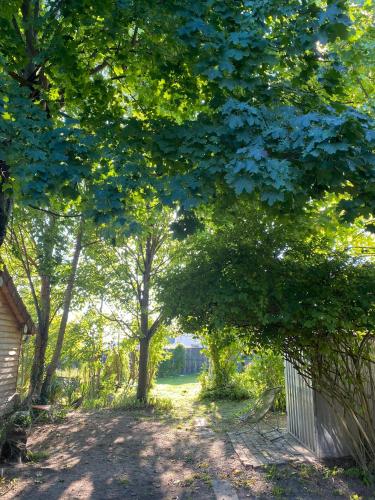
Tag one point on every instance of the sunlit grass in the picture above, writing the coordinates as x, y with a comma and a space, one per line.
179, 380
183, 391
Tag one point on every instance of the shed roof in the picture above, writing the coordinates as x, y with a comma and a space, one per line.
9, 290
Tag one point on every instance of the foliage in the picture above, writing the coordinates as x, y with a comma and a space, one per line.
132, 268
102, 101
155, 403
36, 456
65, 71
265, 370
20, 419
90, 367
244, 130
358, 473
174, 363
157, 354
45, 252
234, 390
286, 286
219, 381
270, 278
275, 120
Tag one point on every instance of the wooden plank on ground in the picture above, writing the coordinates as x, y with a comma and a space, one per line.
257, 450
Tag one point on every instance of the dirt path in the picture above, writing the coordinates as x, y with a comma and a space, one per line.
107, 455
122, 455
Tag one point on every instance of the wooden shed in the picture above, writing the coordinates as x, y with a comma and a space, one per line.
15, 322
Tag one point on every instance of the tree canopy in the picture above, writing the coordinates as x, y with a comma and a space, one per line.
100, 100
278, 282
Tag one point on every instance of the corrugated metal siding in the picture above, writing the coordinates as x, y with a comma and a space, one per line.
300, 408
331, 438
10, 341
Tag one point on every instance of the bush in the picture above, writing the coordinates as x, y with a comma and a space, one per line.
266, 370
174, 364
21, 419
234, 390
130, 402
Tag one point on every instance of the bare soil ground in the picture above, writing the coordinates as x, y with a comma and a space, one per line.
110, 454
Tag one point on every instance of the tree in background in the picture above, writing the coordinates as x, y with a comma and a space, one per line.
224, 350
46, 251
129, 274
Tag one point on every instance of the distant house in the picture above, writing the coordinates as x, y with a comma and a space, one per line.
15, 322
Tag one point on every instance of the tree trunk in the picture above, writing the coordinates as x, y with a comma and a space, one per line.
41, 341
37, 368
142, 388
51, 369
5, 201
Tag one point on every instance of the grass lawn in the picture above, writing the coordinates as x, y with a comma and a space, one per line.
183, 391
179, 380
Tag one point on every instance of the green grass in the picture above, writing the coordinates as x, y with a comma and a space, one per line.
37, 456
183, 391
178, 380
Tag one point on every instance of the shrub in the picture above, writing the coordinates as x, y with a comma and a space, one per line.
266, 370
37, 456
175, 363
21, 419
130, 402
233, 390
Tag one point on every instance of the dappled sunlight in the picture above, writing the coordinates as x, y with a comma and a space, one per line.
83, 483
125, 454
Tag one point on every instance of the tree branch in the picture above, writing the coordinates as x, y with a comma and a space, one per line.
55, 214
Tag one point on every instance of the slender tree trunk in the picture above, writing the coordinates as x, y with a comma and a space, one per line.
144, 344
5, 201
51, 368
41, 341
142, 388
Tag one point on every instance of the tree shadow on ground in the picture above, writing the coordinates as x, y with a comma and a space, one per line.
114, 455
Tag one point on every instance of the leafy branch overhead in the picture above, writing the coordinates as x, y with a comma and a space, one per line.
102, 100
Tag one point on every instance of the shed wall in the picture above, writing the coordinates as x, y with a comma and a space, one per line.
300, 408
332, 440
10, 342
312, 420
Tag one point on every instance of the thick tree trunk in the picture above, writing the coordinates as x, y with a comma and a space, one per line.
51, 368
142, 388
